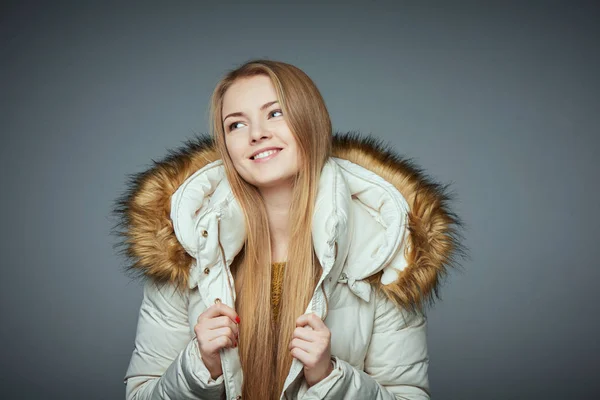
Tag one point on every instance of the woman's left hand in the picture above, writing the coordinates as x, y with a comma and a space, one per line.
312, 347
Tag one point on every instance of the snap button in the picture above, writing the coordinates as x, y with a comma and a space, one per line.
204, 233
206, 271
217, 300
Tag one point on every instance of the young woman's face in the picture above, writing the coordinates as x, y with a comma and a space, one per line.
261, 146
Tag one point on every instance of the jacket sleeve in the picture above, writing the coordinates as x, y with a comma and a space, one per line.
166, 362
395, 364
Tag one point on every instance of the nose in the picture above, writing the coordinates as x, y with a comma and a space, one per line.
258, 133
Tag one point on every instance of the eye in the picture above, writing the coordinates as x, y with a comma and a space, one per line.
275, 111
232, 126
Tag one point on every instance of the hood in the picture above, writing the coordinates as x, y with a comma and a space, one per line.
146, 234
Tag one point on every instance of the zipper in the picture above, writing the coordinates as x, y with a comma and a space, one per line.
295, 371
224, 261
229, 284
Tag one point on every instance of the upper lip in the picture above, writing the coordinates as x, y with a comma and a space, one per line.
265, 149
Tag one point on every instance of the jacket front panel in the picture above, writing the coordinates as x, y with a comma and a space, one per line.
368, 236
349, 318
348, 196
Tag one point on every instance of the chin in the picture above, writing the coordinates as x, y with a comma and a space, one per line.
271, 182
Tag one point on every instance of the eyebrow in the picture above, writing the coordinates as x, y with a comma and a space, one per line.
262, 108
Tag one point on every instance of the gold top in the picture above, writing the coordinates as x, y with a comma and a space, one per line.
276, 281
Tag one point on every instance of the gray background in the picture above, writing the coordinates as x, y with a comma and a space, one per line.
500, 99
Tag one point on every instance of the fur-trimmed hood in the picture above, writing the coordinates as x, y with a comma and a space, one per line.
157, 246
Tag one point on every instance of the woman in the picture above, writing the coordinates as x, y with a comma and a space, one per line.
281, 261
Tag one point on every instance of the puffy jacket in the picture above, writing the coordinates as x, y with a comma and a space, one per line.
381, 231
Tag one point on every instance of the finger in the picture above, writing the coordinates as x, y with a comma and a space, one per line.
221, 342
222, 322
301, 344
210, 345
301, 355
216, 333
304, 333
210, 312
219, 309
311, 320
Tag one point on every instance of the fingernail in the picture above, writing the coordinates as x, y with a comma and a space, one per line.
237, 319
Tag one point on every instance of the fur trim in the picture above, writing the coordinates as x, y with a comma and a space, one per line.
435, 238
144, 227
147, 239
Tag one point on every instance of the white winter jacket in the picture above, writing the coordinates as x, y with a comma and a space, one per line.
381, 232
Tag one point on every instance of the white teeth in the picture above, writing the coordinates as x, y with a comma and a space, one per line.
264, 154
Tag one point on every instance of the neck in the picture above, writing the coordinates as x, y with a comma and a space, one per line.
277, 203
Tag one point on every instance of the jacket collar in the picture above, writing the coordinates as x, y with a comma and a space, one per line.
166, 208
203, 209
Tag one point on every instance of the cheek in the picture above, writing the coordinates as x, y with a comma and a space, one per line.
235, 152
298, 159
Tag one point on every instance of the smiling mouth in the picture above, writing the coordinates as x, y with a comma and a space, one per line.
265, 155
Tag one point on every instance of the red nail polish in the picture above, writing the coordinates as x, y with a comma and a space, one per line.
237, 320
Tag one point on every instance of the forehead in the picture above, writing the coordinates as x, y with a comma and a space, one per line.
250, 92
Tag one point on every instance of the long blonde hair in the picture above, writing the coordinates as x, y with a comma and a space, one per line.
263, 347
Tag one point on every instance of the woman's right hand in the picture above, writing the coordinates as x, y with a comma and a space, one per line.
216, 329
